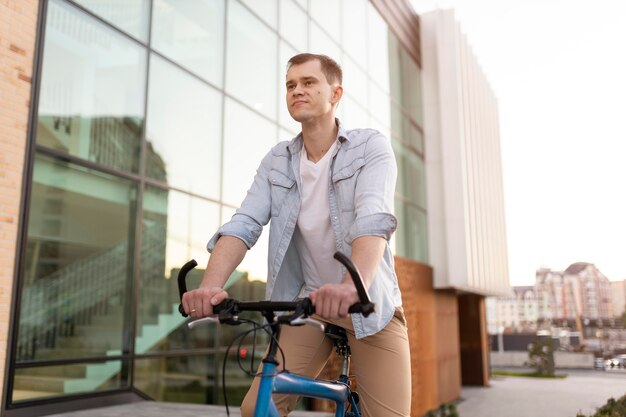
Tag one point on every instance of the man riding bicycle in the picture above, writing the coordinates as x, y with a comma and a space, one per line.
328, 189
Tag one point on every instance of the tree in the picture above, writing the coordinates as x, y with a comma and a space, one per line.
541, 356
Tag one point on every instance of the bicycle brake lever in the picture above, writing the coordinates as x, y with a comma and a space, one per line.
202, 321
311, 322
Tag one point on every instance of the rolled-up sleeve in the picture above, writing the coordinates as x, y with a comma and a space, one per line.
374, 191
254, 213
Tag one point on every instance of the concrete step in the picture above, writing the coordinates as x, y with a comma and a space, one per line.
39, 383
65, 371
68, 353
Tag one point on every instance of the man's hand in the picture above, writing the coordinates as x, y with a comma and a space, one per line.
333, 300
199, 303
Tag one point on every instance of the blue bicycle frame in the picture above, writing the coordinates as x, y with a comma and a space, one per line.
272, 380
286, 383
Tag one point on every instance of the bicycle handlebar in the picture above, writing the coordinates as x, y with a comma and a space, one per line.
230, 307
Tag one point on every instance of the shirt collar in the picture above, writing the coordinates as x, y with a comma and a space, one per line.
296, 143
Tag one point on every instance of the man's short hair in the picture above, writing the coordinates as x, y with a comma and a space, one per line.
331, 69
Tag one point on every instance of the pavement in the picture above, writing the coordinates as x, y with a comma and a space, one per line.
582, 391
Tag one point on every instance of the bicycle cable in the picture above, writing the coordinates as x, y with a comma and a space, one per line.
241, 336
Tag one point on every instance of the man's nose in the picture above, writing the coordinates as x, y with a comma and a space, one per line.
297, 91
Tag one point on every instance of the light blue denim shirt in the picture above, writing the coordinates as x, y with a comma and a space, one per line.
360, 193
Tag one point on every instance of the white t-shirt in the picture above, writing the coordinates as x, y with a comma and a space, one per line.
314, 236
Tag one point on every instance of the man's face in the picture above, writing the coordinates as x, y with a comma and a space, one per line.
309, 95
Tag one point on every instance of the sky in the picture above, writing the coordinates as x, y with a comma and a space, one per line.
558, 69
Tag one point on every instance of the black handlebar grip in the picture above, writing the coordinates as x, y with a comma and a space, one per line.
182, 285
364, 309
365, 306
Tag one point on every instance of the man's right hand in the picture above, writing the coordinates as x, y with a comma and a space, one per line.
199, 303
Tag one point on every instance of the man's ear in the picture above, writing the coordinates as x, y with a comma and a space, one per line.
337, 94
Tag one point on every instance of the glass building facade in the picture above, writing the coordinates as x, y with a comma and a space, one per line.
144, 107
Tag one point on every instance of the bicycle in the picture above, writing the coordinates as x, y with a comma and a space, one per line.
274, 380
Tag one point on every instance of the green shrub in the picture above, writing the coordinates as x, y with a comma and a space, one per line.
612, 408
444, 410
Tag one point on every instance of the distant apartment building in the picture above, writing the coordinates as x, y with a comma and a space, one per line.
579, 291
558, 297
517, 312
618, 295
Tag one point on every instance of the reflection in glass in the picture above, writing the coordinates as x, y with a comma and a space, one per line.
41, 382
78, 264
245, 145
92, 90
355, 82
378, 48
354, 116
411, 235
191, 32
129, 15
354, 30
183, 130
411, 182
284, 118
293, 25
255, 262
251, 61
322, 44
327, 14
176, 228
380, 105
265, 9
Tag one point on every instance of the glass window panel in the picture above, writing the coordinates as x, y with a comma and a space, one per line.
245, 145
414, 136
191, 32
411, 77
265, 9
183, 130
197, 378
251, 61
379, 105
322, 44
129, 15
78, 263
378, 48
327, 13
255, 262
396, 86
355, 82
188, 379
397, 122
54, 381
354, 30
411, 181
284, 118
354, 116
92, 90
411, 235
293, 25
176, 228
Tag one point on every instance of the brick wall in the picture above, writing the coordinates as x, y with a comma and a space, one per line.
420, 307
18, 26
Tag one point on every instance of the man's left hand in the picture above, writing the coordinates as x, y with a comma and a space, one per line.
332, 301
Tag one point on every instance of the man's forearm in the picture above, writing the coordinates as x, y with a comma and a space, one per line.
227, 254
367, 252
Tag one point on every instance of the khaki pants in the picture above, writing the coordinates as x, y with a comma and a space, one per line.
381, 363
